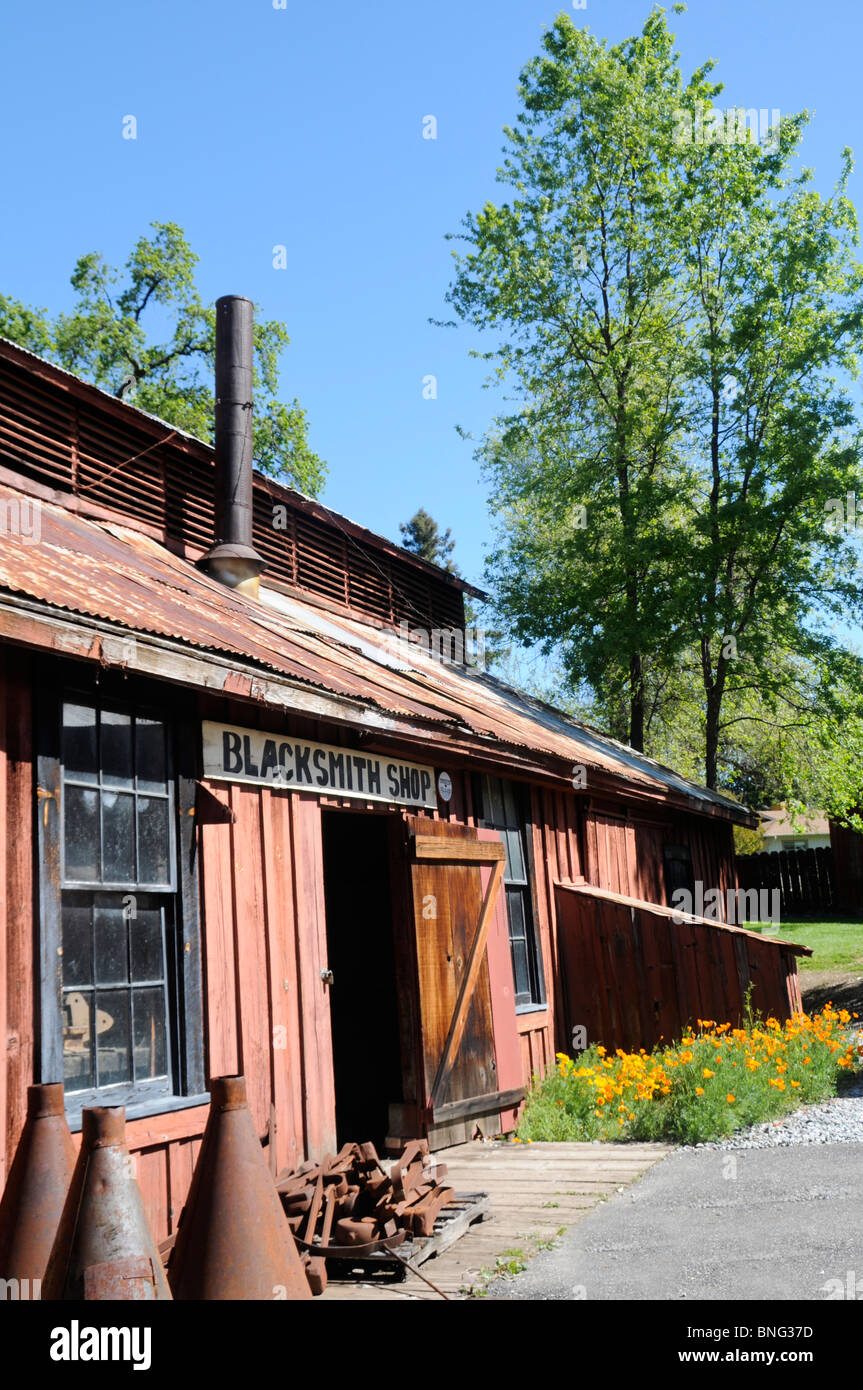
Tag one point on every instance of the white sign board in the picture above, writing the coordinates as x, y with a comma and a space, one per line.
251, 755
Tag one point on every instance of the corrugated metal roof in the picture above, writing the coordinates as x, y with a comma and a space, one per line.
114, 573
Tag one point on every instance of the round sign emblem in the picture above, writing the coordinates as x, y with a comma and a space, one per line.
444, 786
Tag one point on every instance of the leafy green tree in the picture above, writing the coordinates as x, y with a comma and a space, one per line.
778, 307
670, 314
578, 273
105, 340
748, 841
795, 738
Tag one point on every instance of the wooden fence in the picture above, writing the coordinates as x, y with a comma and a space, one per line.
631, 975
805, 878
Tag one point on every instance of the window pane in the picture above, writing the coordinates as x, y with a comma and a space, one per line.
514, 860
112, 1037
515, 911
77, 962
116, 748
81, 826
145, 929
151, 1054
504, 811
119, 853
154, 864
77, 1041
118, 838
79, 742
521, 974
493, 807
518, 943
110, 934
150, 755
510, 808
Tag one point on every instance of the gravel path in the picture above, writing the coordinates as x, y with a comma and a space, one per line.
836, 1121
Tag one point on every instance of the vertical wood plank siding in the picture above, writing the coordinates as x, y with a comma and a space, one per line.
649, 990
17, 1010
265, 947
625, 852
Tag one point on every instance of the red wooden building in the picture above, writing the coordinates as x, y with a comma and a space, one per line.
260, 832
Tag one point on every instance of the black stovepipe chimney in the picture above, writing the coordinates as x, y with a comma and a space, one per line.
233, 560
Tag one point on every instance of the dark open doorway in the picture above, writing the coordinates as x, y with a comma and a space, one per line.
363, 995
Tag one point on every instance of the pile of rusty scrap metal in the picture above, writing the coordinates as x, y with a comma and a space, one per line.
349, 1207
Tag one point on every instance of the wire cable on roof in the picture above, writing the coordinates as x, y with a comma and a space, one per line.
134, 459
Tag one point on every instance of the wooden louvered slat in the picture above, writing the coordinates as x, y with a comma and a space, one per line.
33, 399
320, 567
411, 598
46, 460
370, 584
189, 511
111, 472
447, 607
36, 430
274, 546
60, 436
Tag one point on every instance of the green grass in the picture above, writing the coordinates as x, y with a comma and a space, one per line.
836, 944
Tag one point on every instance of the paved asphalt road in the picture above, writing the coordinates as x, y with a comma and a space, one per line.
776, 1223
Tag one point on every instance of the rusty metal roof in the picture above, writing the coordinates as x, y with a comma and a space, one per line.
110, 572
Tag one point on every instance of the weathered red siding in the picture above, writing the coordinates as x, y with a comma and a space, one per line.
17, 1012
633, 977
625, 851
264, 948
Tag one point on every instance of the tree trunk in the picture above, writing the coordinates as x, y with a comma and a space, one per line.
714, 692
636, 703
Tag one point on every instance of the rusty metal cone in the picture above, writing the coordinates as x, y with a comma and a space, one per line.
104, 1249
36, 1189
234, 1241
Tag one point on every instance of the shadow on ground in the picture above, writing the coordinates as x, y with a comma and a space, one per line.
844, 991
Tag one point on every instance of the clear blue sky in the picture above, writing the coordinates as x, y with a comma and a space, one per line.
303, 126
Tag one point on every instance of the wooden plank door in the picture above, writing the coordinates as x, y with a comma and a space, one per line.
452, 917
507, 1041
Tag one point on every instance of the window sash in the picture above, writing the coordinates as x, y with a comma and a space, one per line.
184, 1039
677, 863
499, 802
103, 784
90, 989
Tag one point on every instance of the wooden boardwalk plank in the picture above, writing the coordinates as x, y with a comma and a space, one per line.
535, 1189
